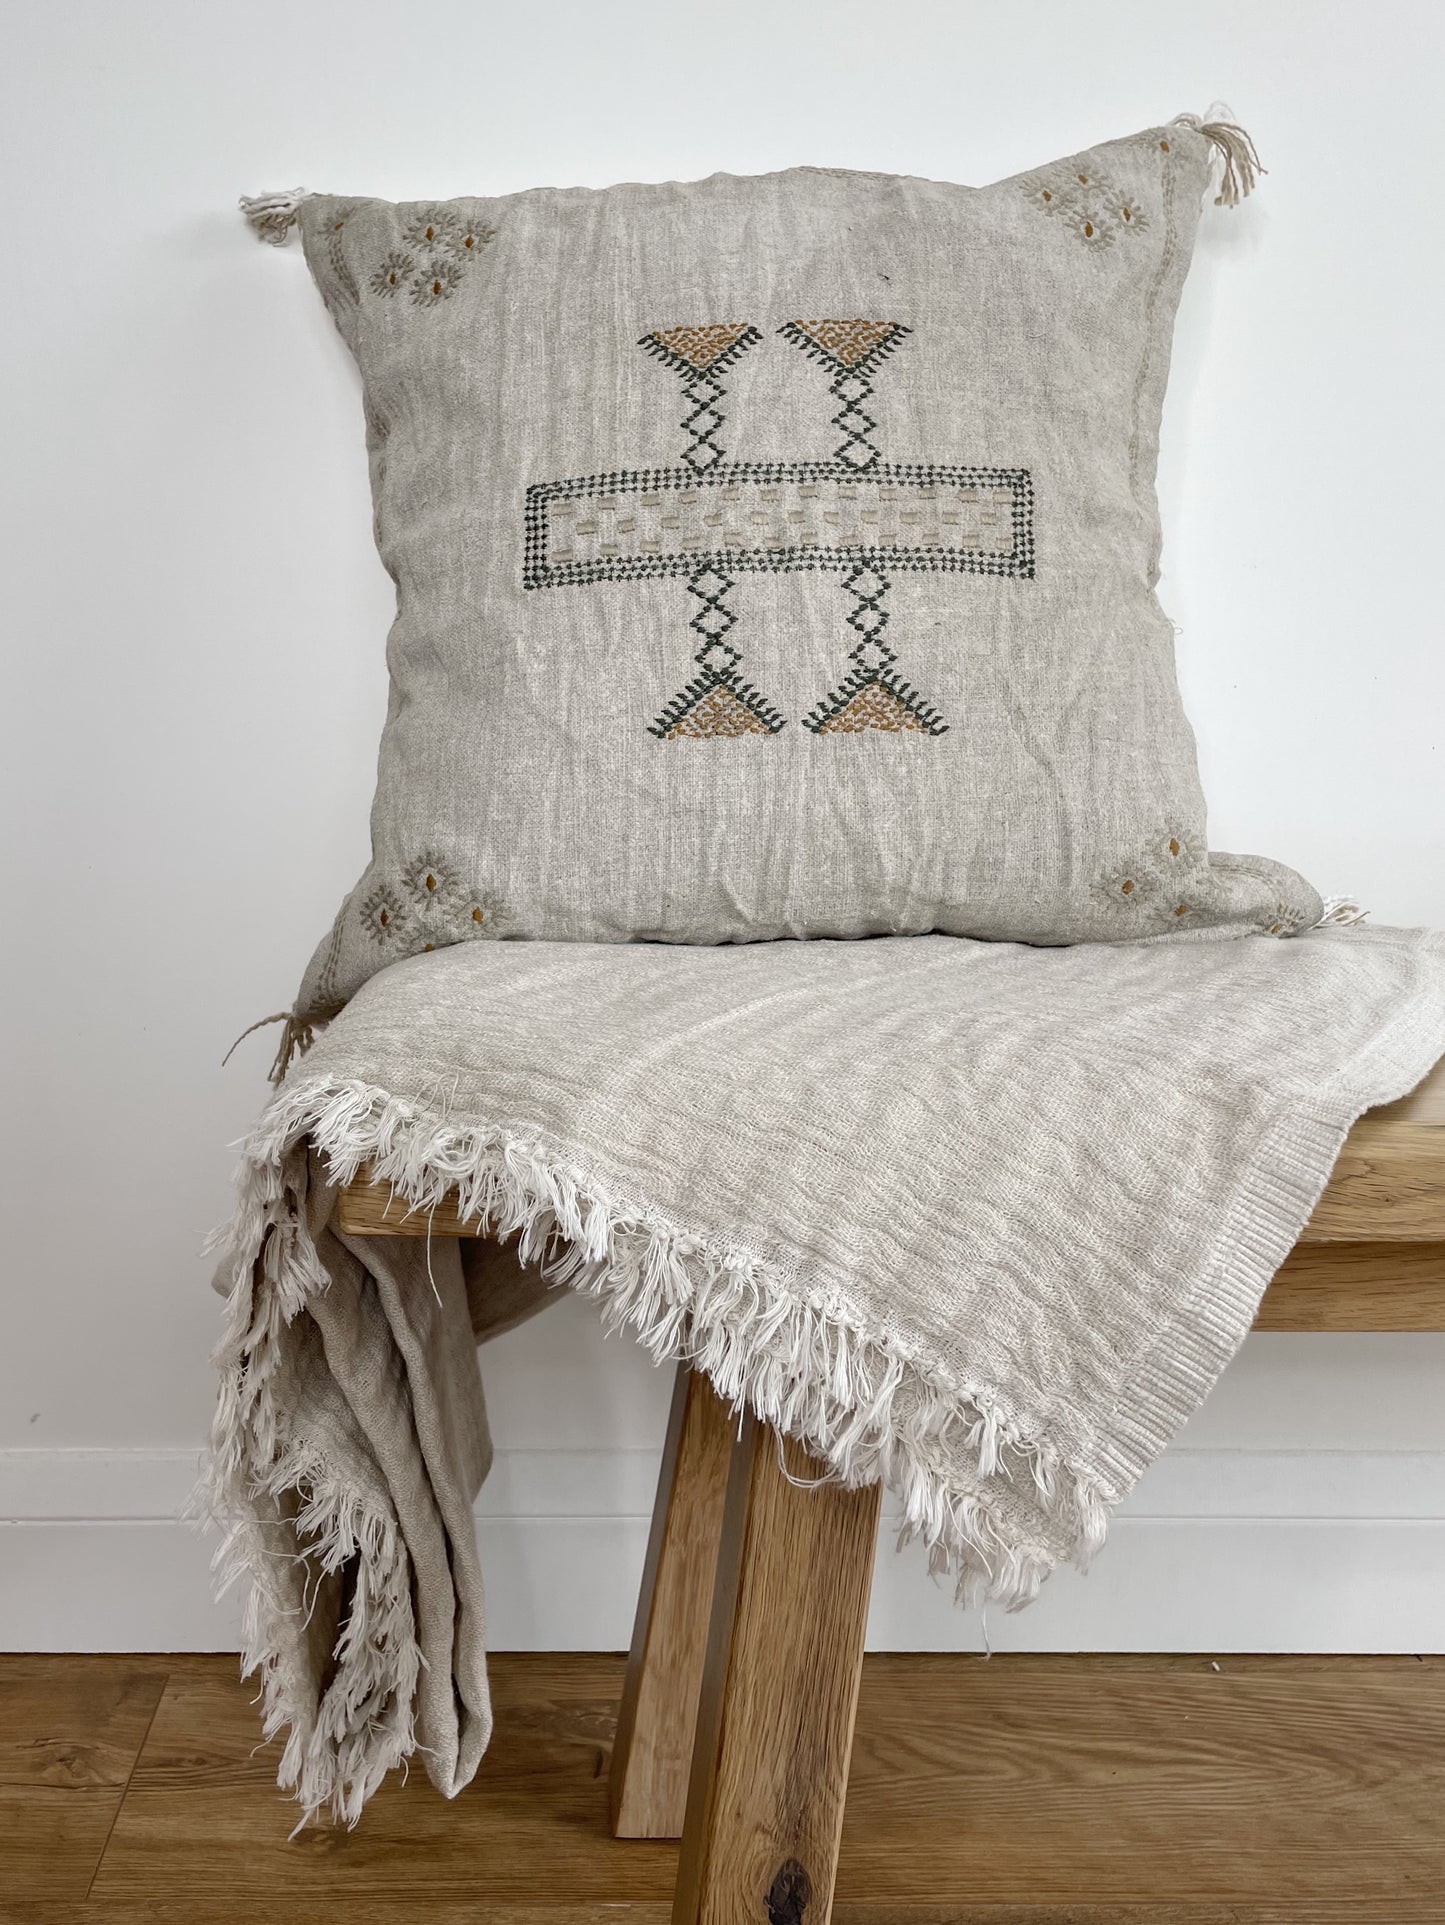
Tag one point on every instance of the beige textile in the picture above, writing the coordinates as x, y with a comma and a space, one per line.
981, 1219
775, 557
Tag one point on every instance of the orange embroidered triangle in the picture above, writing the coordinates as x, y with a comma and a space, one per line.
719, 713
873, 707
700, 346
849, 342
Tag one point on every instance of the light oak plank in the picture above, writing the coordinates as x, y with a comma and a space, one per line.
1041, 1783
652, 1756
1387, 1186
1102, 1789
1388, 1911
1357, 1286
203, 1816
282, 1911
779, 1692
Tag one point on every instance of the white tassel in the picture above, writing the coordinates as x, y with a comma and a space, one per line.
1242, 167
1341, 912
272, 216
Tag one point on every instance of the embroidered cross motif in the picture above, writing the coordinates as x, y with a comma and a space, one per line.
711, 521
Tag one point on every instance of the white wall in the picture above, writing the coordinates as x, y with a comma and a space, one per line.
195, 624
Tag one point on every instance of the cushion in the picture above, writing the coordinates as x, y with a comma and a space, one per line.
775, 557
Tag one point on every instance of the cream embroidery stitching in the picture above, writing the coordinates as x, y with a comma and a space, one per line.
336, 256
383, 914
393, 274
1163, 148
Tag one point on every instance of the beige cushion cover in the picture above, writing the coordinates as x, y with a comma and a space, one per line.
776, 557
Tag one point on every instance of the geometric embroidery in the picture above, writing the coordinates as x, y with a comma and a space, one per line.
1085, 202
874, 708
871, 696
718, 702
777, 517
701, 355
720, 712
710, 521
853, 350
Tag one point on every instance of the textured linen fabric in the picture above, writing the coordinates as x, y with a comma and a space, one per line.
980, 1219
350, 1444
775, 557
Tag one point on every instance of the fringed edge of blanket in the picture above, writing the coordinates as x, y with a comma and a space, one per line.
281, 1504
802, 1362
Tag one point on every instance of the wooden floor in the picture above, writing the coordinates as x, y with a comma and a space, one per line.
1018, 1791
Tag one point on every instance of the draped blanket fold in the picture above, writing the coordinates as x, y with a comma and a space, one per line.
983, 1221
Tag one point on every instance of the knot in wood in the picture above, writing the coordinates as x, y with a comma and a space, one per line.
789, 1895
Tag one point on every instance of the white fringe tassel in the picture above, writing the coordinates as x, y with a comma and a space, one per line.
272, 216
1242, 167
854, 1395
1341, 911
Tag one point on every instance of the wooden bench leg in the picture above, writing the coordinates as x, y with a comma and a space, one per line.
652, 1755
779, 1693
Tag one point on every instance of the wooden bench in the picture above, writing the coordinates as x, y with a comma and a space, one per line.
737, 1712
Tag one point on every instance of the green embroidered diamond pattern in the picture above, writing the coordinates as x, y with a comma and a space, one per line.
718, 702
871, 695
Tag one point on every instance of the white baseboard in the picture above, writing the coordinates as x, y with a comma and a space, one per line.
1218, 1550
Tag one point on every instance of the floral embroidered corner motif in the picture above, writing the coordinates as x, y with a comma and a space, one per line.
336, 256
438, 245
427, 904
1088, 204
383, 914
431, 882
1284, 920
1154, 886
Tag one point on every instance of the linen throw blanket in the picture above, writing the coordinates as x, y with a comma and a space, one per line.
981, 1220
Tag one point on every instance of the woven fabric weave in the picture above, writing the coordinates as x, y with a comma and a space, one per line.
983, 1220
775, 557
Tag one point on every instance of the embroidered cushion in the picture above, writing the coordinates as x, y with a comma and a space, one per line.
775, 557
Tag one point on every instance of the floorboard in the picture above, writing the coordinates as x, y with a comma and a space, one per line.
1025, 1790
71, 1729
